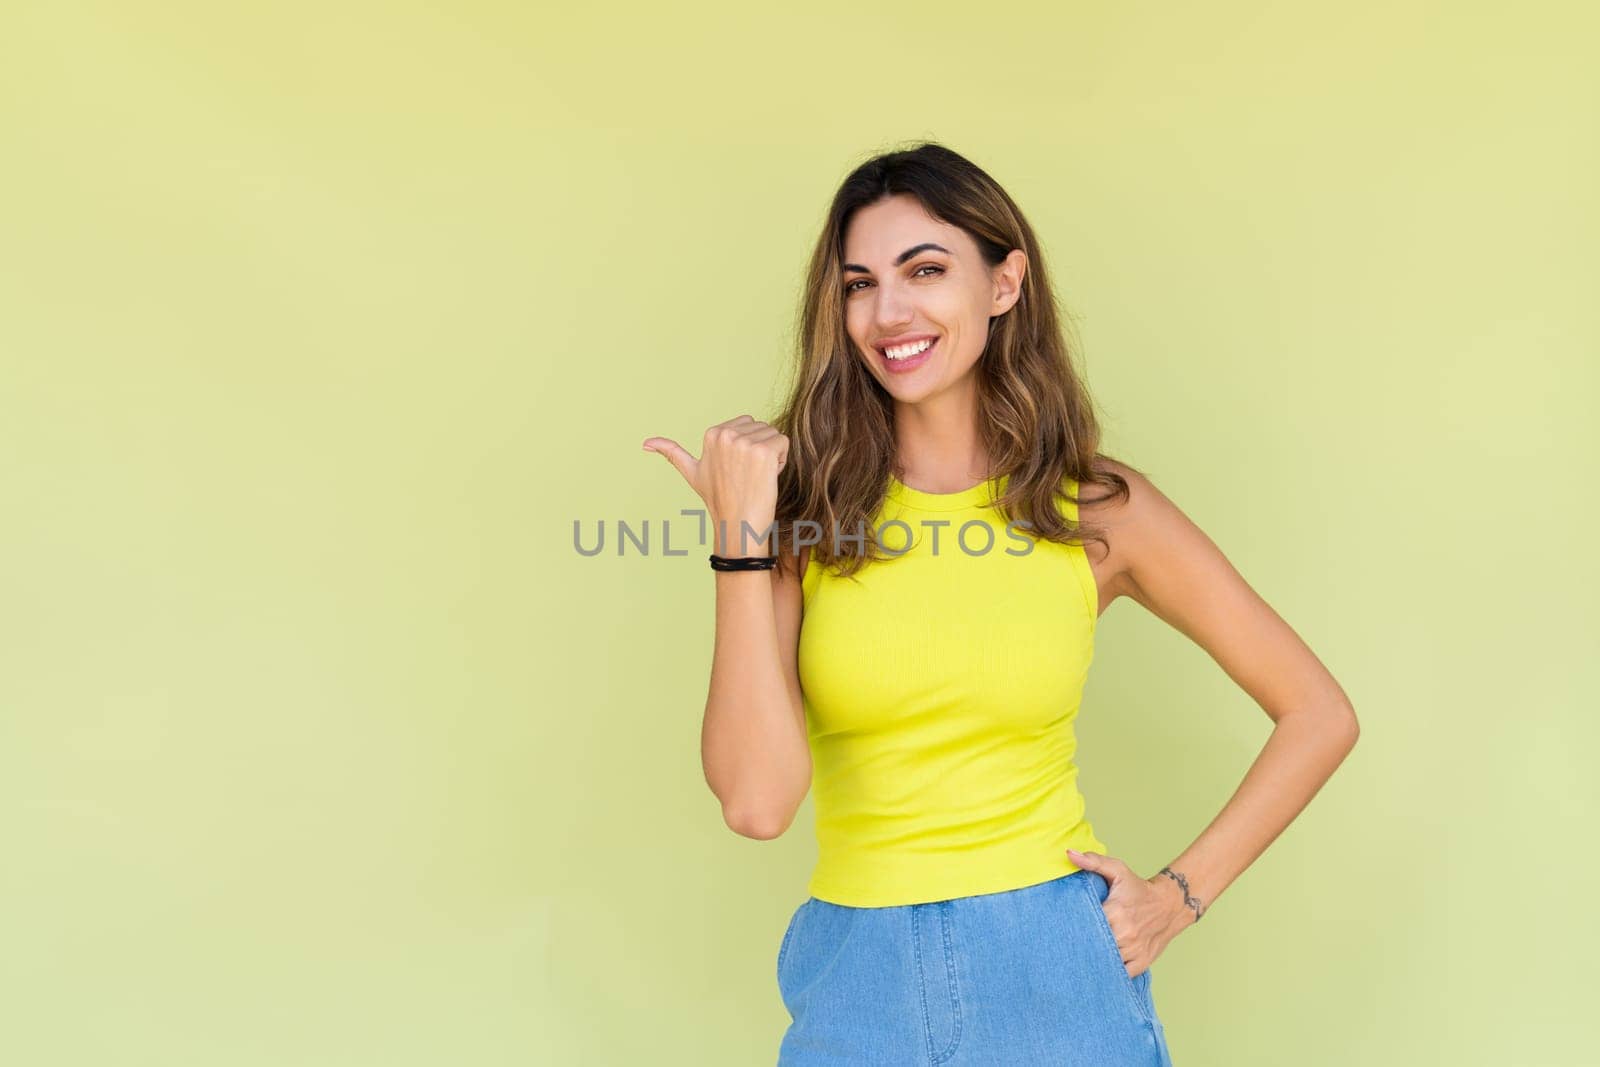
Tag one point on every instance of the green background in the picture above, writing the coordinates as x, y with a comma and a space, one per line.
321, 324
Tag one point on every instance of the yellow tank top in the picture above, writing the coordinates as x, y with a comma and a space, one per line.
940, 690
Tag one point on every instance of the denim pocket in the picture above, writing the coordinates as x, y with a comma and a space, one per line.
788, 935
1098, 889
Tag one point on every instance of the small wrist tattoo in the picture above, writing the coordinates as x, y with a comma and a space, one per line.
1183, 884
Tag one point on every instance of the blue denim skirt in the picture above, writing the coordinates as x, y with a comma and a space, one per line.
1031, 976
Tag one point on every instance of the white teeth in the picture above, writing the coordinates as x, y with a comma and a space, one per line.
902, 351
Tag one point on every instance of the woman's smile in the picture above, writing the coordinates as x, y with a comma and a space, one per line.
907, 358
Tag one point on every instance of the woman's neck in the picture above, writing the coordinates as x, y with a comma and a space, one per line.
937, 449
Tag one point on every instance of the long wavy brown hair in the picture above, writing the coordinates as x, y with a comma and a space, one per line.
1035, 417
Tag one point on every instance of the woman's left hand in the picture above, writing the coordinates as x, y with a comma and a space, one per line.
1145, 913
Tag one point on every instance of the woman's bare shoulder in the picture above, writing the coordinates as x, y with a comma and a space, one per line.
1148, 536
1104, 504
1117, 520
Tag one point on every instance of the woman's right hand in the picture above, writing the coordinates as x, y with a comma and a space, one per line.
736, 476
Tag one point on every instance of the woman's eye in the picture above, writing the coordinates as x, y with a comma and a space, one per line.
851, 288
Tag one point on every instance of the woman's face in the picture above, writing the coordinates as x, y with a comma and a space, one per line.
908, 279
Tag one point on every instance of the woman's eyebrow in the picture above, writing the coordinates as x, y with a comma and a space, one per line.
926, 246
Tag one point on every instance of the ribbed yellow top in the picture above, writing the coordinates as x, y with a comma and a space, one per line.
941, 687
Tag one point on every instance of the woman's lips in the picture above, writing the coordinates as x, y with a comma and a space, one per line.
910, 363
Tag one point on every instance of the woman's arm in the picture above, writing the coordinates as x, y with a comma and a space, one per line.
1164, 561
753, 742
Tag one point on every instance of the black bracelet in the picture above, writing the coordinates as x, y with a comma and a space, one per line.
1183, 884
743, 563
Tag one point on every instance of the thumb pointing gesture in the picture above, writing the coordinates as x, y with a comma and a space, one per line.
675, 454
736, 475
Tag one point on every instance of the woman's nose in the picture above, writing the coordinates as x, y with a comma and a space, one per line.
892, 310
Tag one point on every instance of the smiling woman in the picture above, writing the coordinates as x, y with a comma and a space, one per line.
962, 908
905, 352
925, 266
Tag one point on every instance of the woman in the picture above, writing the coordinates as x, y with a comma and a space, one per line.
919, 647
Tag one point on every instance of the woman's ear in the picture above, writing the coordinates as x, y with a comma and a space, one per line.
1008, 282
